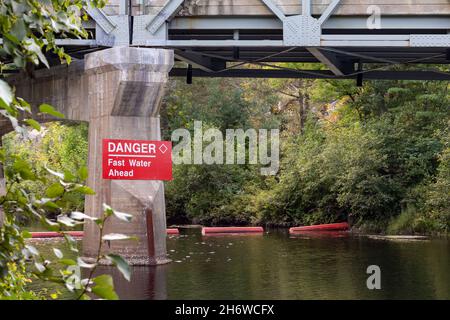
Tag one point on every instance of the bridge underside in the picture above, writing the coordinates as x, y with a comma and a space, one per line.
373, 63
344, 46
349, 38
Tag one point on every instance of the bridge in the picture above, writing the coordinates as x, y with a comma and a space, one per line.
347, 36
118, 77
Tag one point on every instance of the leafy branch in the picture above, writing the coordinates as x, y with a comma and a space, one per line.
29, 30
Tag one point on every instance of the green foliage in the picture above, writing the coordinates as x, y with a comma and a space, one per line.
409, 222
15, 283
28, 29
377, 156
365, 170
217, 188
213, 194
16, 253
60, 147
219, 103
104, 287
437, 200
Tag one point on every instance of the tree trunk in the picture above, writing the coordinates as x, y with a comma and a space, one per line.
303, 110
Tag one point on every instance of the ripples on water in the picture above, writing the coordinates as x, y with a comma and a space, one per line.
277, 266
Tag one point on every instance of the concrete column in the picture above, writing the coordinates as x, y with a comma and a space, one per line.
126, 86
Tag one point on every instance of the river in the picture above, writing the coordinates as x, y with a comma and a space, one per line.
278, 266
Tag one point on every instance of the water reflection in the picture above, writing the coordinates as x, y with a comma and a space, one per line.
147, 283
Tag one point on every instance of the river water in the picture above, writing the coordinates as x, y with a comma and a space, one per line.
278, 266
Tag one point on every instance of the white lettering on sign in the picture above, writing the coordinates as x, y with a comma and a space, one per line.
131, 147
120, 173
139, 163
130, 162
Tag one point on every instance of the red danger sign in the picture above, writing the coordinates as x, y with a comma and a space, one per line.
137, 160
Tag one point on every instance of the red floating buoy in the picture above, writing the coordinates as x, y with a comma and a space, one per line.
50, 234
342, 226
173, 231
208, 230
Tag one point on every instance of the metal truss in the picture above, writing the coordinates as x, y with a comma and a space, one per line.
211, 43
297, 30
313, 74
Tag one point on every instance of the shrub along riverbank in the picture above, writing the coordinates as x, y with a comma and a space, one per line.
378, 156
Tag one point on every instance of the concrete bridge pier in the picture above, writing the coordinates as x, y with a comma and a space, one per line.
125, 89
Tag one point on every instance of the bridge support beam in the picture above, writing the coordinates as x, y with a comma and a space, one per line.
126, 86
